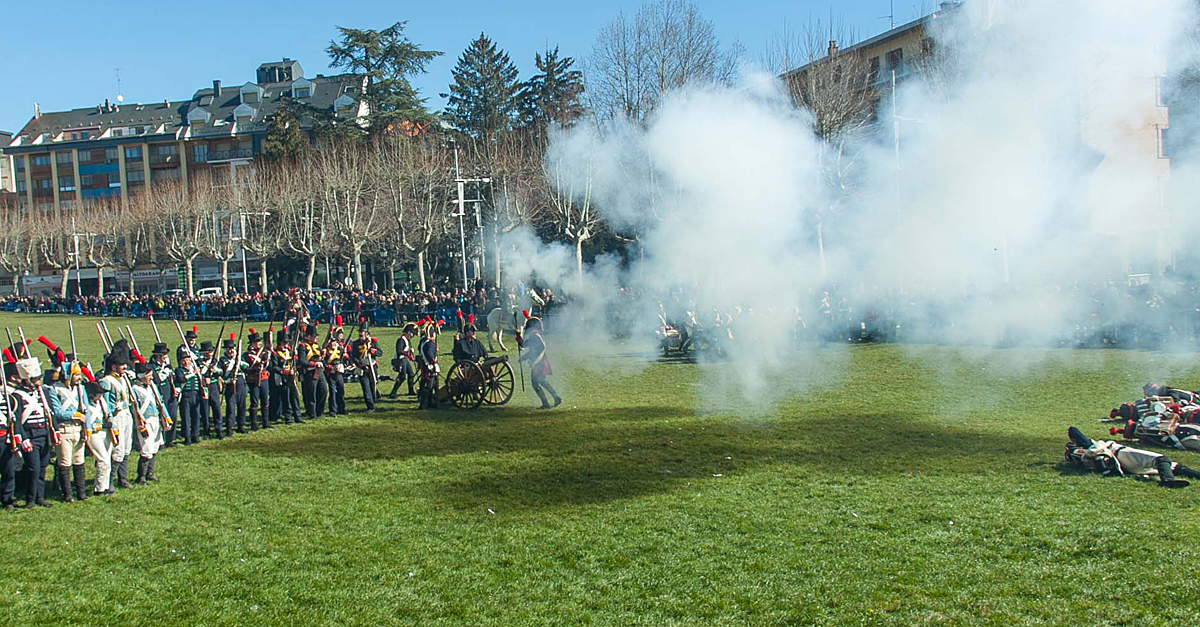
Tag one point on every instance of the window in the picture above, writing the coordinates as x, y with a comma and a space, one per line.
85, 156
927, 45
41, 184
135, 176
302, 92
133, 152
85, 180
114, 180
200, 151
41, 160
1159, 98
166, 149
895, 60
110, 155
20, 163
66, 183
63, 158
1164, 143
165, 174
21, 185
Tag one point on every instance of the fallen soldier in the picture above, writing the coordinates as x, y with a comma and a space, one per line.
1112, 458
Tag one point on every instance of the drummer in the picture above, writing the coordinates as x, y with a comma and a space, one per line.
467, 347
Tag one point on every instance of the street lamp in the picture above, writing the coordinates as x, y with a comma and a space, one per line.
462, 209
242, 239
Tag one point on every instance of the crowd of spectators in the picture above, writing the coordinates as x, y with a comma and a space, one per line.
390, 307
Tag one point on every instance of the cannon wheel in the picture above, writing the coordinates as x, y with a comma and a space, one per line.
498, 387
464, 383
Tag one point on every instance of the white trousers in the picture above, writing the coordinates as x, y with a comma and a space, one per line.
101, 446
123, 422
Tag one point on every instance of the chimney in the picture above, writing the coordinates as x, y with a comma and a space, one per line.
107, 107
833, 47
37, 111
216, 89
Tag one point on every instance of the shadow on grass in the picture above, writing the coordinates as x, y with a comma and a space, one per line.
537, 460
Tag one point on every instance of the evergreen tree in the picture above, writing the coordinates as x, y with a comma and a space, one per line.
553, 94
387, 58
284, 141
483, 98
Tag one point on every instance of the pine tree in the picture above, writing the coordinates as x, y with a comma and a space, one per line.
553, 94
483, 98
284, 141
387, 58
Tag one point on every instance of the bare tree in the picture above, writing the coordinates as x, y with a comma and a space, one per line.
427, 175
636, 60
18, 249
52, 233
514, 164
98, 242
132, 228
302, 217
570, 195
345, 175
180, 229
838, 91
262, 218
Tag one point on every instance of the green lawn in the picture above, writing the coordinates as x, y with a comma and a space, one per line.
903, 486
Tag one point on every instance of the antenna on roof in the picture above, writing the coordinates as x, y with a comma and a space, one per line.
891, 16
120, 98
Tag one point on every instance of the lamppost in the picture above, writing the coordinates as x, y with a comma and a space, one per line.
242, 239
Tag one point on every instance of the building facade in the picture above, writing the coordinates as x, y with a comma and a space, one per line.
119, 149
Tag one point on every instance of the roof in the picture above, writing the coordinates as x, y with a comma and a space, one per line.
169, 119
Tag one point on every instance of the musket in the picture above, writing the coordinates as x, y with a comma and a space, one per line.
55, 436
103, 340
12, 419
133, 402
520, 365
164, 418
78, 388
107, 333
157, 337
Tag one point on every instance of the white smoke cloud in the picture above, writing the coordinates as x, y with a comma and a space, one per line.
1024, 179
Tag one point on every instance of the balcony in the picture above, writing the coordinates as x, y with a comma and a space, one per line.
164, 159
230, 155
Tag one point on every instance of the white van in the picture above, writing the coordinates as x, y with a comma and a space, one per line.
208, 292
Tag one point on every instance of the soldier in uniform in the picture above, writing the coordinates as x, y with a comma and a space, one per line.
256, 358
1112, 458
427, 393
115, 384
210, 391
366, 354
533, 350
403, 360
316, 388
12, 446
467, 347
68, 402
335, 370
30, 408
187, 385
188, 347
164, 380
101, 437
232, 371
284, 403
149, 408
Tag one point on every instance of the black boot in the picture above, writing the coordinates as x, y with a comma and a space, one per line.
64, 485
141, 471
123, 474
78, 480
150, 469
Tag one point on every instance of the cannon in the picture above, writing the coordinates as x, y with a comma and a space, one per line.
470, 384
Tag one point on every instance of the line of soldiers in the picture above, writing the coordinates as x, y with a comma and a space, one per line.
138, 405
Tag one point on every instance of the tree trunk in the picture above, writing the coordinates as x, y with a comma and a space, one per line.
312, 269
579, 259
17, 283
421, 269
191, 278
328, 278
224, 277
497, 264
62, 288
99, 280
358, 269
132, 292
262, 274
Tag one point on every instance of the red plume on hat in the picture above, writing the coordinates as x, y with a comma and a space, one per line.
194, 329
231, 334
138, 356
87, 373
458, 313
251, 330
471, 319
50, 345
8, 356
1113, 431
339, 319
525, 312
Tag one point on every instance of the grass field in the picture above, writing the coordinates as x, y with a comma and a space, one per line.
915, 485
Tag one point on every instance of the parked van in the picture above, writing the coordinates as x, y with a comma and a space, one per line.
208, 292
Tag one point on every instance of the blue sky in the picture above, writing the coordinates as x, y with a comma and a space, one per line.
68, 58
